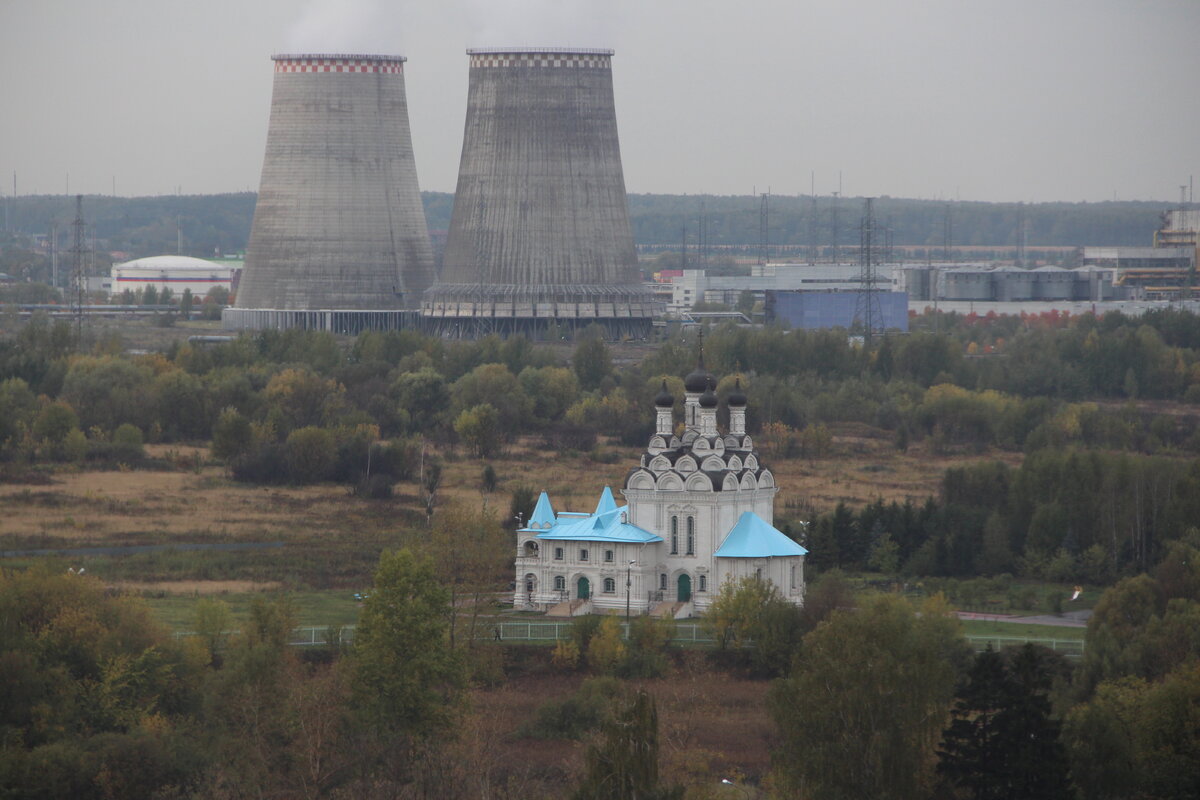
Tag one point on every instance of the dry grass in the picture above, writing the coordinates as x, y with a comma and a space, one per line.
710, 725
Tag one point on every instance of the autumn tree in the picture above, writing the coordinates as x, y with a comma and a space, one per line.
408, 681
623, 764
863, 710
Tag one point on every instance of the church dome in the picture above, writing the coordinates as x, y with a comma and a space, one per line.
708, 399
664, 399
737, 397
698, 380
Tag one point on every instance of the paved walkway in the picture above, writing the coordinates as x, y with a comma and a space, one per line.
1068, 619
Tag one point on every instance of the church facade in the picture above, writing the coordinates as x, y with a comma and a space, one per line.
698, 512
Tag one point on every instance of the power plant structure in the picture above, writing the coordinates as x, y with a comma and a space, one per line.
540, 242
339, 240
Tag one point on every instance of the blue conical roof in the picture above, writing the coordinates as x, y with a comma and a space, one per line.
752, 537
543, 513
607, 503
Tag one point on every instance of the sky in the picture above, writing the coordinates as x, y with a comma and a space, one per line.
1004, 100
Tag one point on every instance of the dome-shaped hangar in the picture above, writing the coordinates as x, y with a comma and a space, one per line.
177, 273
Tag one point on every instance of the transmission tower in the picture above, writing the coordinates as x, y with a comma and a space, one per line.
78, 266
764, 226
947, 235
867, 311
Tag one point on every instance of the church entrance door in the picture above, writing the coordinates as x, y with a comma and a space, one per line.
685, 588
585, 589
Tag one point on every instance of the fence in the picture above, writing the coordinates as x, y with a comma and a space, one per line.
682, 633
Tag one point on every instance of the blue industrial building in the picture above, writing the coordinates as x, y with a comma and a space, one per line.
818, 310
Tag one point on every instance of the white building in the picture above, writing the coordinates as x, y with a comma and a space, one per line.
699, 512
176, 273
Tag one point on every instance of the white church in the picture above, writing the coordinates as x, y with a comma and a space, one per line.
698, 513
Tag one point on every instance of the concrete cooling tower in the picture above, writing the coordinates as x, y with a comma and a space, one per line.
540, 238
339, 240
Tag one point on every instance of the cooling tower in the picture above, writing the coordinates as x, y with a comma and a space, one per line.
540, 234
339, 240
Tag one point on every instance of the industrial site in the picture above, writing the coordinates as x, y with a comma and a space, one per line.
531, 399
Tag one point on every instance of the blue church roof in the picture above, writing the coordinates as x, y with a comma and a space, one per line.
751, 537
605, 525
543, 513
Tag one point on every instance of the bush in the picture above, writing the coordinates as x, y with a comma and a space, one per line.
579, 714
265, 464
311, 454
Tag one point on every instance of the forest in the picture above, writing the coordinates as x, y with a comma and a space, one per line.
220, 224
1073, 443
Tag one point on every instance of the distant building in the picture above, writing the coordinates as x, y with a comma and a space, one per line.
177, 273
699, 514
697, 286
823, 310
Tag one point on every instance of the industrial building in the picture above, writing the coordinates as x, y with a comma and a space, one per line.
1165, 271
539, 238
339, 239
989, 283
177, 273
822, 310
697, 286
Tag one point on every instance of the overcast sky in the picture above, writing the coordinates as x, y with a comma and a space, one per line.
1032, 100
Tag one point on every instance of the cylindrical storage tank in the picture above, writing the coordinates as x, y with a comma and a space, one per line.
339, 222
540, 211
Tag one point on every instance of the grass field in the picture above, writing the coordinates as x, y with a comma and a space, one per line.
976, 627
316, 609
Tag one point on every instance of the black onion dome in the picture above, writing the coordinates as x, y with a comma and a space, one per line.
737, 397
664, 399
697, 381
708, 399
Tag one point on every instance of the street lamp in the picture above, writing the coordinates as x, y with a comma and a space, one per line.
628, 583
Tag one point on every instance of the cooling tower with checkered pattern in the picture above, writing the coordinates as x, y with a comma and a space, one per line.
339, 239
540, 238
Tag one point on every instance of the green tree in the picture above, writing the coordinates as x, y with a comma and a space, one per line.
591, 361
231, 435
54, 422
623, 765
863, 710
750, 617
408, 680
424, 395
479, 429
311, 454
1002, 743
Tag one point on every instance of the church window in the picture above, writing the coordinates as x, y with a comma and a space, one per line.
662, 581
610, 585
691, 536
558, 554
674, 535
560, 582
608, 556
758, 574
703, 587
583, 554
793, 577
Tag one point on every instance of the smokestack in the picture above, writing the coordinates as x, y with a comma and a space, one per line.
540, 232
339, 223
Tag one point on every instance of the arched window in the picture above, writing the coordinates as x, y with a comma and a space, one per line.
674, 535
758, 574
703, 584
662, 581
610, 585
560, 582
691, 536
